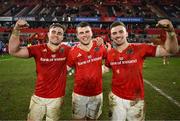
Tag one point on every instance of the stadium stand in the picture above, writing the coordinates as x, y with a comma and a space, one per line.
137, 14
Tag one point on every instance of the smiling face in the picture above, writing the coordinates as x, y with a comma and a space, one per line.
119, 35
56, 34
84, 34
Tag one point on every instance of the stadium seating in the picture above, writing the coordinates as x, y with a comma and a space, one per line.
41, 13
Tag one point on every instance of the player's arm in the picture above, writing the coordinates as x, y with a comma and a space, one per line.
105, 69
70, 60
68, 68
14, 42
171, 44
100, 41
108, 46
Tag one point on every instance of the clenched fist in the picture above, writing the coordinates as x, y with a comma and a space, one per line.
166, 25
21, 24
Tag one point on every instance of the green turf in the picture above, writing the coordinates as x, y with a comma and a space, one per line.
165, 77
17, 77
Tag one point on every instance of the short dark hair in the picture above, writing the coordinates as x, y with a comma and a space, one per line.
83, 24
54, 25
117, 23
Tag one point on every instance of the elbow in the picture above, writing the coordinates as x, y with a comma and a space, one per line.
177, 50
174, 50
12, 52
105, 69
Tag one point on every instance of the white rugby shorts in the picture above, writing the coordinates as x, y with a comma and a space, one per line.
86, 107
40, 107
122, 109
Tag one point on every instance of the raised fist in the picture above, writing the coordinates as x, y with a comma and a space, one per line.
166, 25
21, 24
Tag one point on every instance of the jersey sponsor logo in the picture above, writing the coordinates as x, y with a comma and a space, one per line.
124, 62
52, 59
89, 61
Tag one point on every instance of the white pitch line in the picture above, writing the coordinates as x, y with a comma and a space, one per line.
162, 93
5, 59
12, 59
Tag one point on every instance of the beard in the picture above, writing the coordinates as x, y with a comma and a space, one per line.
87, 41
118, 44
54, 43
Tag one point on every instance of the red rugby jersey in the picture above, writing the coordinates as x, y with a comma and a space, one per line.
127, 80
88, 71
51, 70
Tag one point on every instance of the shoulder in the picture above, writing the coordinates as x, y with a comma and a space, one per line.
100, 47
136, 44
74, 49
37, 46
35, 50
66, 47
139, 45
112, 50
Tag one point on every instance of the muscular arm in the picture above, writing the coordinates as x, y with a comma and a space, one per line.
14, 42
171, 44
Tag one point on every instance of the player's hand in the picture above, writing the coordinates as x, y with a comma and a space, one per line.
166, 25
21, 24
108, 45
99, 41
104, 69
